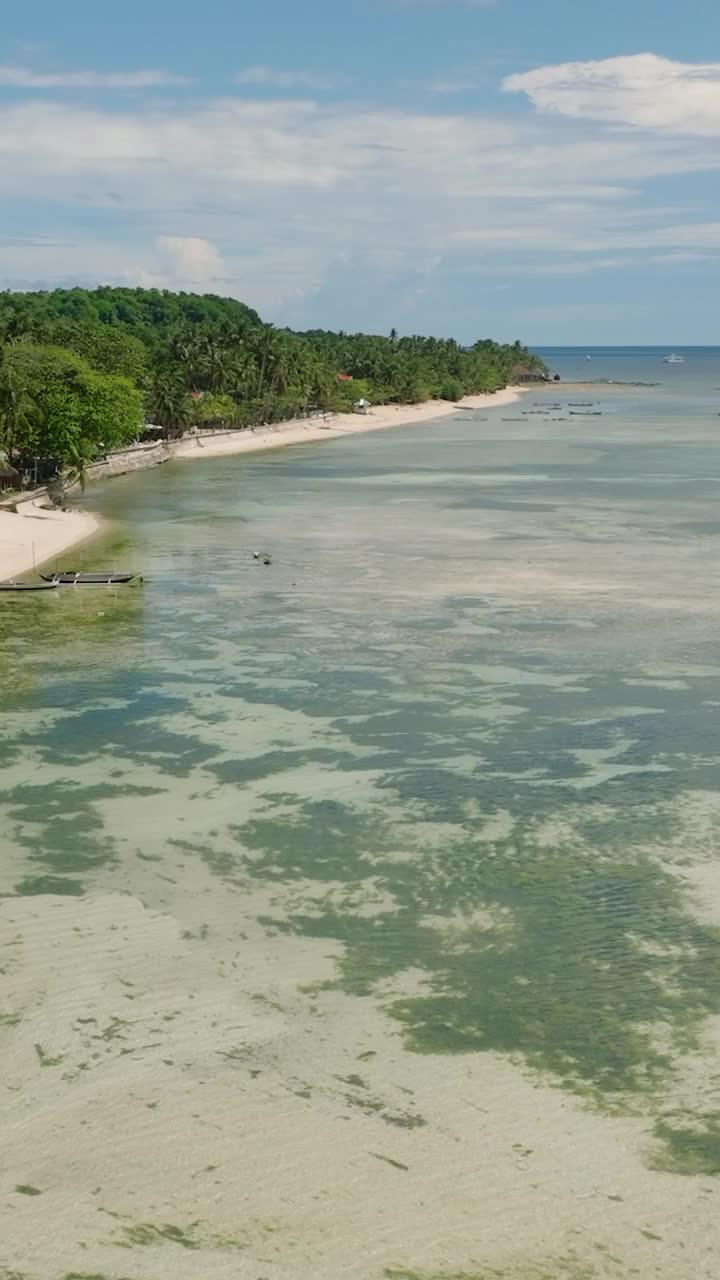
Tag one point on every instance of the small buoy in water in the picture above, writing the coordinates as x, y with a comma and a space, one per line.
256, 555
267, 560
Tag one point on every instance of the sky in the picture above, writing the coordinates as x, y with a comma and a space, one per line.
505, 168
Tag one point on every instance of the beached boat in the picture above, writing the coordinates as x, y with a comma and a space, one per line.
73, 578
28, 586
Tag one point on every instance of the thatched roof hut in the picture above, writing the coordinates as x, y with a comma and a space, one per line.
523, 373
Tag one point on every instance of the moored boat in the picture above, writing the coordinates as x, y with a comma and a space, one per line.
73, 578
28, 586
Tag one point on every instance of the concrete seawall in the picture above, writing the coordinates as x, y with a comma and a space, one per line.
138, 458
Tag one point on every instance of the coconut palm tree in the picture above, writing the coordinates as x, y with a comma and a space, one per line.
81, 455
213, 366
74, 472
169, 406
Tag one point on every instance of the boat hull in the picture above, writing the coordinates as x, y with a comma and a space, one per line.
69, 579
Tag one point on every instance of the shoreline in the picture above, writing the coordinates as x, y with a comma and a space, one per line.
310, 430
32, 536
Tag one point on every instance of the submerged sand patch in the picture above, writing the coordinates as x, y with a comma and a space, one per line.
191, 1112
393, 948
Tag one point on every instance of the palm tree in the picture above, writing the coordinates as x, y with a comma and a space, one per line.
81, 455
213, 367
169, 406
16, 410
281, 363
241, 374
73, 472
263, 344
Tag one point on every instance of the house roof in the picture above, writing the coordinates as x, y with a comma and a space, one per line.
524, 371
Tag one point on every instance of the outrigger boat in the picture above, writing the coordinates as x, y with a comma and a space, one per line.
73, 578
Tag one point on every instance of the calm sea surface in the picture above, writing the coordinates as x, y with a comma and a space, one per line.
463, 730
697, 377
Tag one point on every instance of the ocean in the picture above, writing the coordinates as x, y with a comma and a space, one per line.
697, 377
361, 911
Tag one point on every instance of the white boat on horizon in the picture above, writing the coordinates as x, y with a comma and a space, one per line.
674, 359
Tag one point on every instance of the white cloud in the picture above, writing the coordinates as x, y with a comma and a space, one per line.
285, 200
191, 259
274, 78
682, 258
377, 164
24, 78
618, 233
643, 92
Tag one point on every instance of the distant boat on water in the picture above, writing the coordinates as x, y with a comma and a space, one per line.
674, 359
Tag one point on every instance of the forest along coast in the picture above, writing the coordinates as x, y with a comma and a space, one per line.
45, 533
84, 373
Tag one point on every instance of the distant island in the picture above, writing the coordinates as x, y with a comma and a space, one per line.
82, 372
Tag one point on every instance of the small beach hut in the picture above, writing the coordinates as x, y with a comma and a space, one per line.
522, 373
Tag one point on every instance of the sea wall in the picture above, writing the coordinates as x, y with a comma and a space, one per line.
136, 458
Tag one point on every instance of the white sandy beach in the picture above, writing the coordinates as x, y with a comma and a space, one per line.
306, 430
34, 536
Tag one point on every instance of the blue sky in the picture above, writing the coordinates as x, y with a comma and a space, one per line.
451, 166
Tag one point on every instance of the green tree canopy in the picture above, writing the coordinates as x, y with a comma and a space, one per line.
80, 364
145, 313
109, 349
68, 406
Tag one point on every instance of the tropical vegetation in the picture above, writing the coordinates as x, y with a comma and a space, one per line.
83, 371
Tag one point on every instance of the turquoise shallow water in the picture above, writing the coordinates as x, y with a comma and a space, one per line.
465, 726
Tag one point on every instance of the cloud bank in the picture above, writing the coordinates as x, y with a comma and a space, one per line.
269, 77
286, 200
640, 92
24, 78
